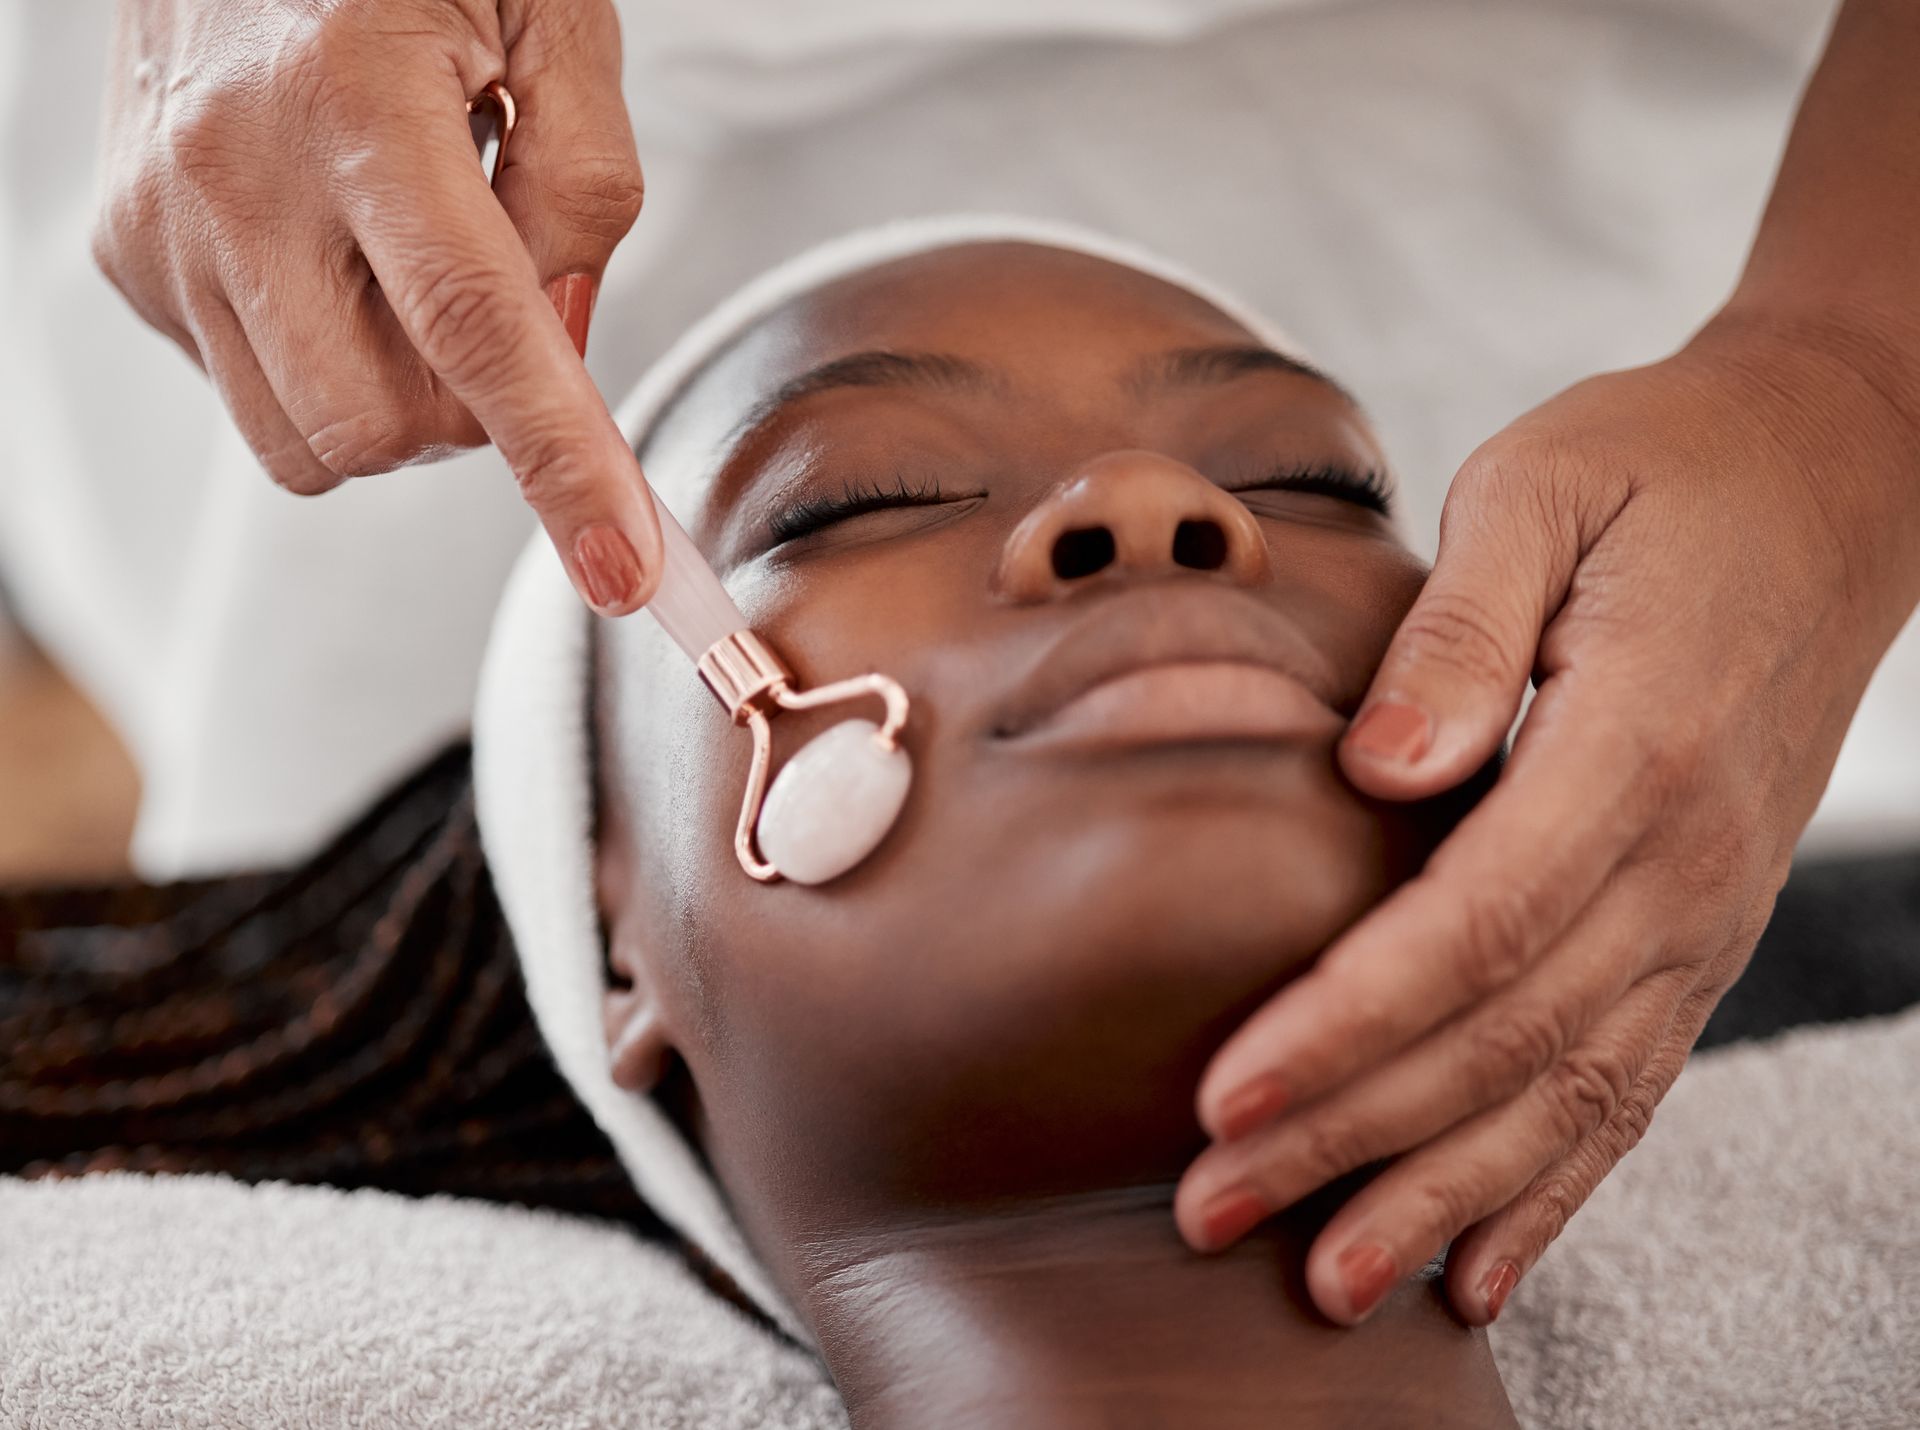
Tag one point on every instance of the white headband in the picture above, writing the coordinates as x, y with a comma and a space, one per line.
534, 788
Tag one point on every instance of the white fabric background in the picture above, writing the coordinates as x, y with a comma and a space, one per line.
1460, 206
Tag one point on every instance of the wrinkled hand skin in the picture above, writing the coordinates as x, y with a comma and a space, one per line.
290, 191
1699, 563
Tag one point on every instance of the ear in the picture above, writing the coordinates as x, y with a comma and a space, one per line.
637, 1039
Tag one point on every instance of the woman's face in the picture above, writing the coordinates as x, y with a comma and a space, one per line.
1131, 570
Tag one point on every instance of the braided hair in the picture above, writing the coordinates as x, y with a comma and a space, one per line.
358, 1021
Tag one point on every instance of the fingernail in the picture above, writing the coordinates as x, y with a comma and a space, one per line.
1497, 1287
1388, 731
1246, 1108
572, 298
1368, 1273
1230, 1216
609, 569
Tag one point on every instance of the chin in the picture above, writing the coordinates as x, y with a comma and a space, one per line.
1288, 855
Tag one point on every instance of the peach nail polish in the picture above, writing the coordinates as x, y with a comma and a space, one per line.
572, 298
1368, 1273
1497, 1287
1391, 732
1246, 1108
1230, 1216
608, 567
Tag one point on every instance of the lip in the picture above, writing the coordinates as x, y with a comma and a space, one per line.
1171, 666
1189, 702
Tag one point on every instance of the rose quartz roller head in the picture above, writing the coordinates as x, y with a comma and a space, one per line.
838, 795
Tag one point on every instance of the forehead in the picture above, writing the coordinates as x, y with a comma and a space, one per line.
1046, 318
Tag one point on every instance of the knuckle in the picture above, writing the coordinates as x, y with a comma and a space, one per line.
130, 240
1366, 1021
363, 441
456, 316
1513, 462
1590, 1162
322, 73
1330, 1147
319, 95
1442, 1207
1630, 1122
597, 196
1549, 1204
1457, 631
1509, 1049
1589, 1087
552, 471
196, 140
1497, 924
292, 467
1531, 468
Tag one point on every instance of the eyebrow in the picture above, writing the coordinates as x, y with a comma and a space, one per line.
1204, 366
937, 372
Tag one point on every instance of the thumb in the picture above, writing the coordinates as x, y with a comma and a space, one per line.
571, 179
1453, 678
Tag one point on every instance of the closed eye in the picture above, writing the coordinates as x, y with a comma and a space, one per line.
806, 515
1369, 488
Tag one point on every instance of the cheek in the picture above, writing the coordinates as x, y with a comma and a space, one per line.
891, 610
1348, 593
1388, 593
687, 773
891, 606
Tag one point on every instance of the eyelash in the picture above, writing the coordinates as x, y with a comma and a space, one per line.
1366, 489
857, 498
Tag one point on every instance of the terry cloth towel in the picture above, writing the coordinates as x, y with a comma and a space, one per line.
532, 782
1753, 1267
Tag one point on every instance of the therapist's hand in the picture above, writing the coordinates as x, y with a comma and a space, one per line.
1699, 563
290, 191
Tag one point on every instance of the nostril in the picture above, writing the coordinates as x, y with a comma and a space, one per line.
1082, 552
1201, 545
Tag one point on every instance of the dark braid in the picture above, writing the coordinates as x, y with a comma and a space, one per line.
359, 1021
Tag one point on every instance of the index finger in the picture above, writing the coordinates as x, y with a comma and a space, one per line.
465, 290
1499, 891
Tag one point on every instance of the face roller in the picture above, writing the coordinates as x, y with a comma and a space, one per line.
838, 795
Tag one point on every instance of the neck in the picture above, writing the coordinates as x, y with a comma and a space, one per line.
1088, 1312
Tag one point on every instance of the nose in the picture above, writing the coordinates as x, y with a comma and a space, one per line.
1129, 515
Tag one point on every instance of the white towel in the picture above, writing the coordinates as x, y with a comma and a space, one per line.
1755, 1266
